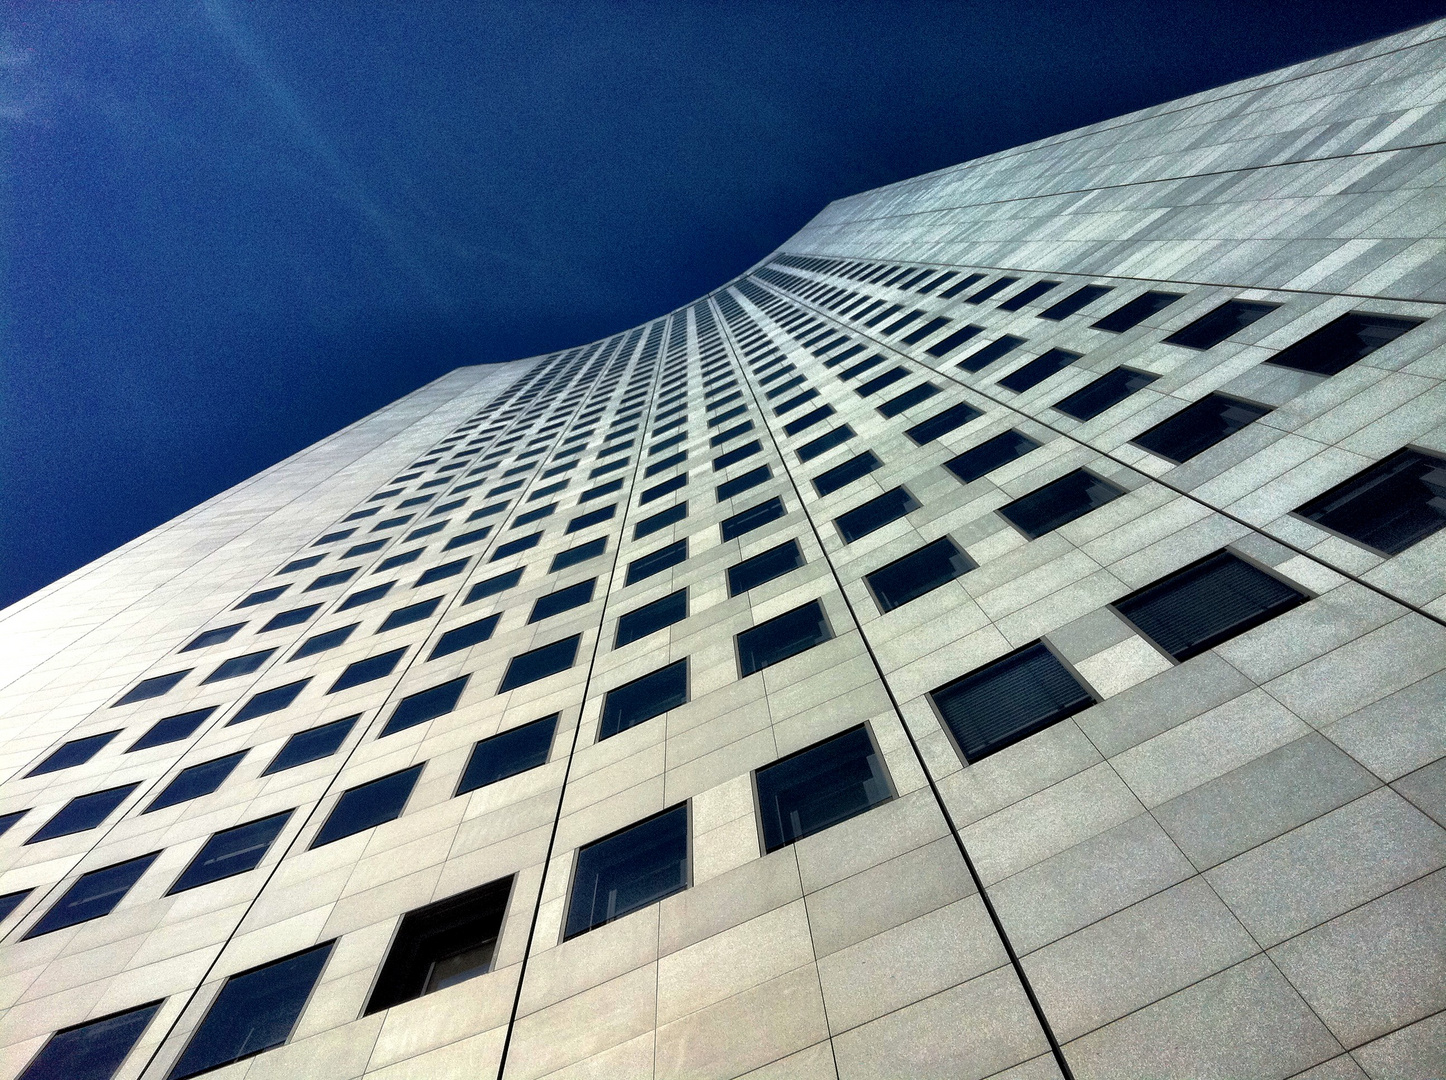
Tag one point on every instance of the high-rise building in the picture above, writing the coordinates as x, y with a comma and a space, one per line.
1001, 634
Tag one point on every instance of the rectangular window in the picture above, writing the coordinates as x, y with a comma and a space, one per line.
990, 455
945, 345
917, 573
391, 562
441, 573
636, 702
739, 484
930, 327
255, 1011
629, 870
153, 687
956, 416
754, 517
94, 1050
93, 895
1008, 700
555, 603
663, 465
196, 780
781, 637
1196, 428
900, 323
465, 636
539, 663
650, 618
75, 752
487, 511
1135, 312
965, 282
509, 753
218, 636
737, 454
847, 354
981, 359
991, 290
794, 402
364, 549
232, 851
825, 442
368, 805
764, 567
857, 467
661, 520
463, 539
269, 701
172, 729
821, 786
1211, 329
1059, 502
319, 643
1107, 391
875, 514
579, 554
908, 399
656, 562
1389, 507
312, 744
673, 483
1076, 301
425, 705
82, 813
723, 417
411, 613
526, 518
731, 434
368, 670
333, 537
880, 382
1340, 343
1038, 369
1027, 295
862, 366
512, 547
493, 585
595, 517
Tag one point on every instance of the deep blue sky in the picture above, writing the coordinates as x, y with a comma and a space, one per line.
231, 228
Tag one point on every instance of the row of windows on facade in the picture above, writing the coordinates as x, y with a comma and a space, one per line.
446, 942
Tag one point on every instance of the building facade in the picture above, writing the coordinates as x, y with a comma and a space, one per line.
1000, 635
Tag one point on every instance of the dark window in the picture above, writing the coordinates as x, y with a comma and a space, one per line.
956, 416
724, 417
782, 636
75, 752
917, 573
312, 560
763, 567
294, 617
831, 782
1198, 427
1059, 502
368, 670
807, 420
879, 382
1340, 343
657, 491
6, 822
594, 517
794, 402
930, 327
539, 663
512, 547
959, 286
629, 870
1135, 312
1075, 301
1027, 294
463, 539
368, 805
944, 346
898, 324
856, 467
582, 553
737, 454
1008, 700
825, 442
732, 433
1392, 505
487, 511
439, 573
425, 705
393, 561
656, 562
505, 488
365, 596
1038, 369
739, 484
555, 603
862, 366
411, 613
650, 618
508, 754
254, 1011
392, 523
990, 455
334, 536
196, 780
231, 851
493, 585
465, 636
172, 729
746, 521
82, 813
642, 699
90, 1051
441, 945
312, 744
213, 637
1108, 390
269, 701
364, 549
1229, 318
908, 399
661, 520
326, 581
153, 687
990, 290
982, 358
238, 665
875, 514
93, 895
664, 464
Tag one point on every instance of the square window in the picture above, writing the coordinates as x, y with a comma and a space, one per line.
1196, 428
650, 618
1135, 312
441, 573
781, 637
294, 617
595, 517
945, 345
629, 870
1075, 301
1059, 502
365, 596
218, 636
539, 663
555, 603
425, 705
824, 785
152, 688
269, 701
312, 744
368, 805
1038, 369
956, 416
661, 520
739, 484
231, 851
636, 702
1211, 329
405, 616
1008, 700
807, 420
75, 752
94, 1050
93, 895
82, 813
656, 562
1108, 390
255, 1011
657, 491
512, 547
195, 781
917, 573
1340, 343
368, 670
580, 554
857, 467
493, 585
238, 665
764, 567
875, 514
441, 945
508, 753
982, 358
1389, 507
465, 636
172, 729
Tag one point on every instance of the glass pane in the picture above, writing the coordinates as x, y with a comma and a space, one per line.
651, 618
764, 567
1105, 392
642, 699
1038, 369
90, 1051
93, 895
781, 637
629, 870
465, 636
508, 754
83, 813
956, 416
75, 752
317, 643
197, 780
1196, 428
917, 573
978, 361
368, 670
311, 745
555, 603
368, 805
1135, 312
540, 663
1340, 343
754, 517
1229, 318
426, 705
875, 514
1059, 502
1391, 506
231, 851
656, 562
269, 701
821, 786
